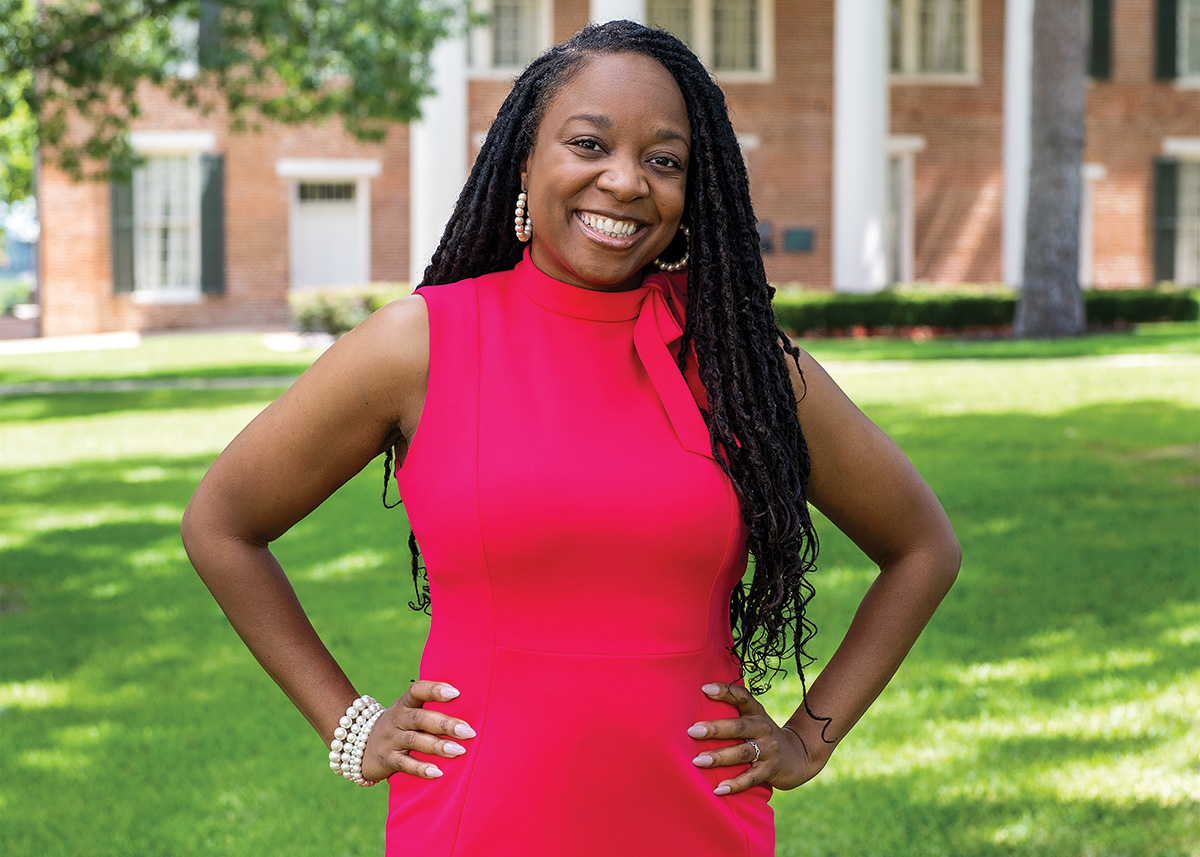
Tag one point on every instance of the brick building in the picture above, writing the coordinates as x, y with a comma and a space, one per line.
882, 147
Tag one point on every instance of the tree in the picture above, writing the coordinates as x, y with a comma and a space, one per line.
1051, 303
70, 70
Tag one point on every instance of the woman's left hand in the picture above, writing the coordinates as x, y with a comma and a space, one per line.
783, 760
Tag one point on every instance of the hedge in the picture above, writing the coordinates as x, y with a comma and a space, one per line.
336, 311
802, 311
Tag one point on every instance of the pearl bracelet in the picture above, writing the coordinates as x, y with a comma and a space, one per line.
350, 739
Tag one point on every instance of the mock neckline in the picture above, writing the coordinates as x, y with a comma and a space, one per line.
578, 302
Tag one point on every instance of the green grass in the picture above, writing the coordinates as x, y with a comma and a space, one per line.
1049, 709
229, 355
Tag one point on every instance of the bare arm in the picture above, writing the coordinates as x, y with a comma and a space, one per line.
864, 484
362, 396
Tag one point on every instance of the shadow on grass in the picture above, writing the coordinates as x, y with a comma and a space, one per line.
32, 408
134, 721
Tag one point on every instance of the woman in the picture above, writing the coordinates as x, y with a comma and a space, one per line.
590, 430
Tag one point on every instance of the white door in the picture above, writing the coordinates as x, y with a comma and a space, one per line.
327, 235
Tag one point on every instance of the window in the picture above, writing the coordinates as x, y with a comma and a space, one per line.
1187, 50
517, 30
1177, 212
933, 39
166, 209
168, 222
732, 37
1187, 225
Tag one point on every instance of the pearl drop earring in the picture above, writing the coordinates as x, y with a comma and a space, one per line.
672, 267
522, 223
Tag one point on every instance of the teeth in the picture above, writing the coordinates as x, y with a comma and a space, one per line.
615, 228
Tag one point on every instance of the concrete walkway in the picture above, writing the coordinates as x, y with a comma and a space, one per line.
137, 385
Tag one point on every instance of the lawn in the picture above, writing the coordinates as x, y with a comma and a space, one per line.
1050, 708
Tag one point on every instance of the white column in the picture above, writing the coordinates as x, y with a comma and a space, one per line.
1018, 73
616, 10
437, 160
860, 124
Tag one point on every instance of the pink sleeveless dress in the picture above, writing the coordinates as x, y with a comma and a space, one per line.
581, 544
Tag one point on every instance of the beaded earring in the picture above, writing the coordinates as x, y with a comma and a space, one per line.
672, 267
522, 223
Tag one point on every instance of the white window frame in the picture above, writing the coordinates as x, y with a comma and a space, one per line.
190, 144
479, 62
910, 49
1092, 173
903, 149
701, 41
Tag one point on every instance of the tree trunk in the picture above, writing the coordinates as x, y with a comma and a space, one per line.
1051, 303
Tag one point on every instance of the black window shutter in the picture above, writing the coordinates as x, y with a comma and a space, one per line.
1100, 52
1166, 38
121, 194
212, 224
1166, 209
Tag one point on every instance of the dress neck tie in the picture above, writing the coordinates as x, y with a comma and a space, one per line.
656, 337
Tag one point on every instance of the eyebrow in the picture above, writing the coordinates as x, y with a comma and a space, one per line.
602, 121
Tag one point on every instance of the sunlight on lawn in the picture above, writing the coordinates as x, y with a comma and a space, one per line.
1050, 710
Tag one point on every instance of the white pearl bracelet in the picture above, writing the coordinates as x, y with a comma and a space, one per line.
350, 738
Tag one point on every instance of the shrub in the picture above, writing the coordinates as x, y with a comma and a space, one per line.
336, 311
959, 309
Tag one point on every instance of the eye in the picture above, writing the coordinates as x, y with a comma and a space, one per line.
588, 144
667, 161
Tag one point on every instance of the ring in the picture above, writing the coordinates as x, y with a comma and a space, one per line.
757, 751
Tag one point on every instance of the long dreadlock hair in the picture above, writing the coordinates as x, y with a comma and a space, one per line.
751, 416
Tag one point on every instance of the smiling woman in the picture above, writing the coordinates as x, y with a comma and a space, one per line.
595, 421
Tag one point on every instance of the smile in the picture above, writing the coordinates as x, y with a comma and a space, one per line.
619, 232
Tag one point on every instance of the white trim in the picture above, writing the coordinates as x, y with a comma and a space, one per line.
602, 11
1182, 147
901, 144
169, 142
1018, 88
749, 142
328, 168
1092, 173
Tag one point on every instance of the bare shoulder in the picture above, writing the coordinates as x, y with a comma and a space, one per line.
386, 358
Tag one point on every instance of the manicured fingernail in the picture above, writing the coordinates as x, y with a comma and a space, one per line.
454, 749
433, 772
462, 730
697, 731
448, 692
711, 689
722, 790
703, 760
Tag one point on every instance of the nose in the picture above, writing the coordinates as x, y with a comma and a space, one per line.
624, 178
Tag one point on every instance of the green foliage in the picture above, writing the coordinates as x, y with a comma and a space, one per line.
365, 61
337, 311
13, 291
1050, 708
954, 309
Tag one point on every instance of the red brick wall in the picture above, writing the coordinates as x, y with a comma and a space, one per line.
791, 170
1128, 117
958, 179
77, 294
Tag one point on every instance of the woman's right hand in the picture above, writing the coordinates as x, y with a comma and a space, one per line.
407, 726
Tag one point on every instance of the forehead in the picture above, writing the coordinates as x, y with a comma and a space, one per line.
625, 88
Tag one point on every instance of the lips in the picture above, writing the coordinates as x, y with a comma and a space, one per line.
610, 231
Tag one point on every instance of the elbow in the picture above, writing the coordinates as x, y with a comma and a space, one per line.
948, 561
